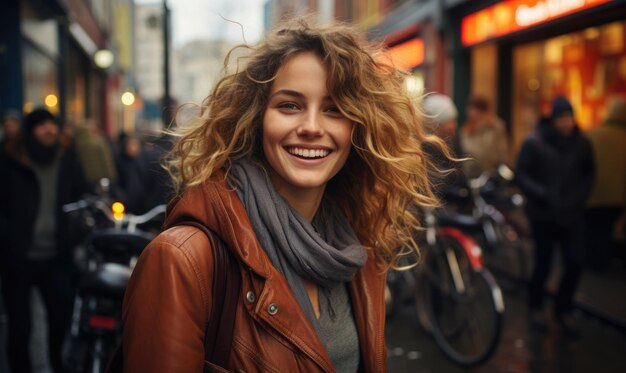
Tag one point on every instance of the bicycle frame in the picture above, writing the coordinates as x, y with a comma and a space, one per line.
469, 245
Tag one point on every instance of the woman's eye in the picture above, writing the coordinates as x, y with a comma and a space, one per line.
288, 106
333, 110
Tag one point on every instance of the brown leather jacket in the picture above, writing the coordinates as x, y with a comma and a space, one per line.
168, 300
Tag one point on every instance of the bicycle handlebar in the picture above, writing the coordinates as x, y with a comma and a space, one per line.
132, 220
149, 215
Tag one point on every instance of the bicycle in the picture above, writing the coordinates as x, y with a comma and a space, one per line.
457, 299
111, 248
504, 245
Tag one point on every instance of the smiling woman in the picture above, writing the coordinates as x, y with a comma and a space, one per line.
304, 162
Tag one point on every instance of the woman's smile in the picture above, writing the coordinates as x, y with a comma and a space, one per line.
308, 153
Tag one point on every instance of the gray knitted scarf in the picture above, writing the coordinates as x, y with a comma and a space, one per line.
326, 252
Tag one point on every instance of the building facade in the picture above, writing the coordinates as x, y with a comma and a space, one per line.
199, 66
522, 53
47, 59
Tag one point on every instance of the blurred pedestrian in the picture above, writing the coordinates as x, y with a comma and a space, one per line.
483, 138
128, 148
148, 183
34, 241
95, 154
555, 171
441, 120
304, 163
607, 202
10, 132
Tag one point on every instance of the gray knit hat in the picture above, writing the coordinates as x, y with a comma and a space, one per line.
439, 109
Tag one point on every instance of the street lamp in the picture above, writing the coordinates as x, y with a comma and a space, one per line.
128, 99
103, 58
51, 100
167, 99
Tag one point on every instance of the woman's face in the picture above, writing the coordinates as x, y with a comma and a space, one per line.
306, 140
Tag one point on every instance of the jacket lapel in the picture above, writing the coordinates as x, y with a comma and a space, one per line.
276, 306
367, 290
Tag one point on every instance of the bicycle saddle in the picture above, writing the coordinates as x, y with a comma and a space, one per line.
463, 222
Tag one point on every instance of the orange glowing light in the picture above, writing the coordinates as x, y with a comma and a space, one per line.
513, 15
408, 54
118, 210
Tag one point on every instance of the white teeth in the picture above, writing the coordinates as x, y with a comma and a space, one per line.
308, 153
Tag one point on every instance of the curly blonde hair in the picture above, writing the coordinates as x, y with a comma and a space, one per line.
387, 171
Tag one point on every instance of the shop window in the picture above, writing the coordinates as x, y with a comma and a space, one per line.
587, 67
40, 80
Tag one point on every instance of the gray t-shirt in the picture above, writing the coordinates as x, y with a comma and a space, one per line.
338, 330
44, 234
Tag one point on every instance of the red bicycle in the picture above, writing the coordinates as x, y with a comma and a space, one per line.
457, 299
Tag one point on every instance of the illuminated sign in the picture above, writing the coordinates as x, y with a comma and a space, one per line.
408, 54
514, 15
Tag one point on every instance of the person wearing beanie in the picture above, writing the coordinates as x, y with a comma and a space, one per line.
555, 170
440, 119
606, 207
35, 248
441, 116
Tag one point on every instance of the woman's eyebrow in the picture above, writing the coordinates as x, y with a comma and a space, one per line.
288, 92
295, 94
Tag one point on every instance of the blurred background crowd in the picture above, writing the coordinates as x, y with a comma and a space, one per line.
537, 85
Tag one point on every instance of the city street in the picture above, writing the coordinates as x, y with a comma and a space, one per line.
308, 135
598, 348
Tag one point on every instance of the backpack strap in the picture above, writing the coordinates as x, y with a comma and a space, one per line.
218, 336
226, 290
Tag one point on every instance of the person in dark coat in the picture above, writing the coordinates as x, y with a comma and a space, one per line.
10, 130
129, 147
555, 170
148, 183
34, 240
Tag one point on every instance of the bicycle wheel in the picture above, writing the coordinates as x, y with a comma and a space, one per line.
464, 305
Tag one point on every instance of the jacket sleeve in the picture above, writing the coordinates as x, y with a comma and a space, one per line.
166, 306
523, 174
586, 176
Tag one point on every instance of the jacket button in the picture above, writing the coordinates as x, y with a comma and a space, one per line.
272, 309
250, 297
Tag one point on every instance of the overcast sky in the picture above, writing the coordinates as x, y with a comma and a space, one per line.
202, 19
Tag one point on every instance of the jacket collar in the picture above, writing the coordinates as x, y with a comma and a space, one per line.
217, 207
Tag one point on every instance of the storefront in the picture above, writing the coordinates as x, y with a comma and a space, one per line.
41, 59
47, 59
414, 41
523, 53
409, 55
418, 49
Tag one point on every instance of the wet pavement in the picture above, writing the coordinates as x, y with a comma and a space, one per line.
38, 345
599, 346
603, 294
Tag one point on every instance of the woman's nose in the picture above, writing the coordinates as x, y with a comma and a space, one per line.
311, 125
